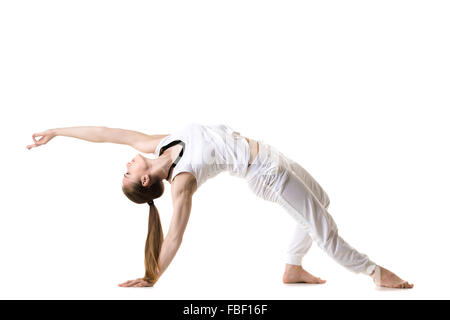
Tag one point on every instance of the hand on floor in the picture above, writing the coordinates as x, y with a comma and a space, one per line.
138, 283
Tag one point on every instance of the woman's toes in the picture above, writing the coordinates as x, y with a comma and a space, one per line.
319, 280
403, 285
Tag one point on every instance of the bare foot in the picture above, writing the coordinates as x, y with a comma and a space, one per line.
296, 274
385, 278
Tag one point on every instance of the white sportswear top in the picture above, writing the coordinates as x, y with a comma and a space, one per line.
209, 150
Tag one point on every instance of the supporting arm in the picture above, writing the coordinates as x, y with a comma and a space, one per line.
183, 188
182, 204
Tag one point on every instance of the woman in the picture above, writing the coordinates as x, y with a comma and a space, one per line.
195, 153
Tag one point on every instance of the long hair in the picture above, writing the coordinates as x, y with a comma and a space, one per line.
137, 193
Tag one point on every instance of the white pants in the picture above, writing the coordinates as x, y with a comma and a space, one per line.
276, 178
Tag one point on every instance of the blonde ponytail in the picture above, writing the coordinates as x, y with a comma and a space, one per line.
155, 238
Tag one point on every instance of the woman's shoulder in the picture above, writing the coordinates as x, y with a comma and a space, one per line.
184, 181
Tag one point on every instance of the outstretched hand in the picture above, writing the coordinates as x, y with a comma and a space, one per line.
139, 283
46, 137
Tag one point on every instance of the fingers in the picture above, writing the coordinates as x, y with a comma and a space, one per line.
35, 135
39, 142
33, 145
126, 282
138, 283
129, 283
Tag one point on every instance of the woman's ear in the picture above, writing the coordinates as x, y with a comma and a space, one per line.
145, 180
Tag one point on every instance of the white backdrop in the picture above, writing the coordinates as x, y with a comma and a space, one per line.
356, 91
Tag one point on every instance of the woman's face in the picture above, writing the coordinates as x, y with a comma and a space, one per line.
136, 168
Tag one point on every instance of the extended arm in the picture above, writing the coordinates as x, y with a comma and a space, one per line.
138, 140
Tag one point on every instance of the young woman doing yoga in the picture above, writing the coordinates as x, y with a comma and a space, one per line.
190, 156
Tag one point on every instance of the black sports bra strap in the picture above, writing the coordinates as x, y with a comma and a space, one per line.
171, 144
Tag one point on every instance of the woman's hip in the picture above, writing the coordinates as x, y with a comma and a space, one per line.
270, 171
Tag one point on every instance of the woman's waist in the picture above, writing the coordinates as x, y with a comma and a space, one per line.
254, 149
253, 144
